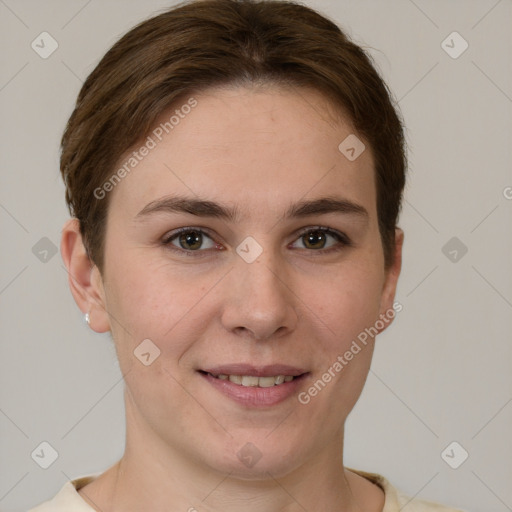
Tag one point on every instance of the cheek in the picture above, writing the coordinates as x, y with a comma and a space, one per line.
347, 299
349, 306
150, 300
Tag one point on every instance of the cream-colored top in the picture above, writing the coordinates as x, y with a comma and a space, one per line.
68, 499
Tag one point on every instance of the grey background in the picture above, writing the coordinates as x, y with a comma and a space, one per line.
441, 373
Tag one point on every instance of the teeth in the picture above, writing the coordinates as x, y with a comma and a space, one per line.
252, 381
249, 381
266, 382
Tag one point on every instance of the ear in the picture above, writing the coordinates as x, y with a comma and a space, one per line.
390, 283
84, 278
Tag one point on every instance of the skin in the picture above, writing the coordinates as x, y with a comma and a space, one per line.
260, 150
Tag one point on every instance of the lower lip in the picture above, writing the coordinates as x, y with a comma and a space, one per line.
254, 396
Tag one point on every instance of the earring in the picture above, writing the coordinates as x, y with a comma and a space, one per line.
87, 318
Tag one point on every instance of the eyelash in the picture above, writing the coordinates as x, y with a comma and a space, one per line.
343, 240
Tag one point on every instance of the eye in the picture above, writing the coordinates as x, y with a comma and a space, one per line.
322, 239
190, 240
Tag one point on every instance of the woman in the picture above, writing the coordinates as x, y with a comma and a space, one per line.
234, 170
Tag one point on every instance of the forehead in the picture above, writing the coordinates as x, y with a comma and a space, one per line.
253, 146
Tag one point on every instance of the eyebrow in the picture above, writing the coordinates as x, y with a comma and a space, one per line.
204, 208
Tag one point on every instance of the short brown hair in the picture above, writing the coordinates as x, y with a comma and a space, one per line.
209, 43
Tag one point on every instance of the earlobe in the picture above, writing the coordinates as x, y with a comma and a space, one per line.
388, 308
84, 277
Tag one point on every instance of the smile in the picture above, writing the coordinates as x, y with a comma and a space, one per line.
255, 386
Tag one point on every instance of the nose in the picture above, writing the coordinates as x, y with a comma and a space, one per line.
259, 302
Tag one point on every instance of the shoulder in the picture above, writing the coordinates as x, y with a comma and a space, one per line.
415, 505
396, 501
67, 499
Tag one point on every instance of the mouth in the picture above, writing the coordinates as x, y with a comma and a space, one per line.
254, 386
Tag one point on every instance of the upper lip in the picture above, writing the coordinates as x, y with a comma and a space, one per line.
271, 370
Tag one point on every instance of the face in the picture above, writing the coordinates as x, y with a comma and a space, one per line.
245, 247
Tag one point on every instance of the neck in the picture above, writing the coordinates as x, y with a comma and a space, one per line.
153, 476
140, 485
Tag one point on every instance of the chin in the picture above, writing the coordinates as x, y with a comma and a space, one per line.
256, 461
